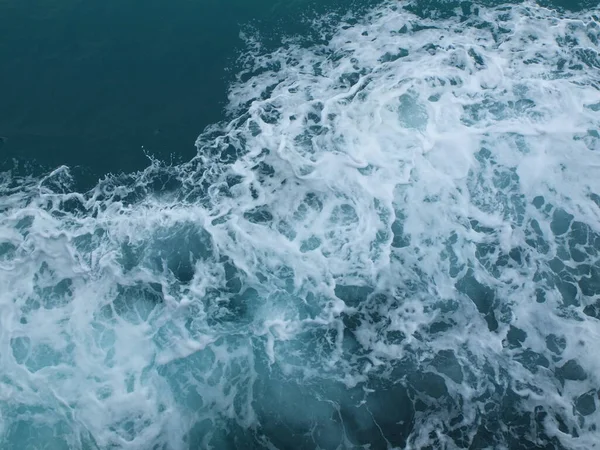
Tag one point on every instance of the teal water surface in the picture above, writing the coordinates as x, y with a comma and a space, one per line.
299, 224
90, 84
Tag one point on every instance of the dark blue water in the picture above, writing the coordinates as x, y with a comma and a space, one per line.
91, 84
299, 224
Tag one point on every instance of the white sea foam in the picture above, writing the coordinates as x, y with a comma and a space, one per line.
393, 242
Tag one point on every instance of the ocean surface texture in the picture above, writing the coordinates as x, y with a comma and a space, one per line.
386, 236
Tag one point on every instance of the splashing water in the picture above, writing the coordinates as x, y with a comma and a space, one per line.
394, 242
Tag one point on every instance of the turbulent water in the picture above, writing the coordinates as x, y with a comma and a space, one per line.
394, 242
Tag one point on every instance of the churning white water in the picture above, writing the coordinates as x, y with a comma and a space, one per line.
394, 242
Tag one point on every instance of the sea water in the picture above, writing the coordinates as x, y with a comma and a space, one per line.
392, 241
